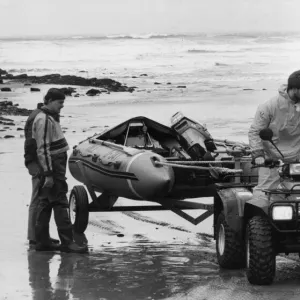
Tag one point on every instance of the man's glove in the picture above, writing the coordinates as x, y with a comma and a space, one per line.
259, 160
48, 182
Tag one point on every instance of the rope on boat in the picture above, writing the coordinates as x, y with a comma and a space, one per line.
219, 169
207, 162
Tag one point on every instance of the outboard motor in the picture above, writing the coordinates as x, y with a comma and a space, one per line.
198, 139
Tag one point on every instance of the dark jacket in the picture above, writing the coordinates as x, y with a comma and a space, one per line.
30, 143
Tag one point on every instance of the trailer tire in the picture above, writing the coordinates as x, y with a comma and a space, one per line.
261, 257
79, 208
230, 248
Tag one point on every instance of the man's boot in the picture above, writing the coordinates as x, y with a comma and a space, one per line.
67, 242
73, 248
43, 243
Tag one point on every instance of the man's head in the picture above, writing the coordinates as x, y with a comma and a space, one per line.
293, 87
54, 100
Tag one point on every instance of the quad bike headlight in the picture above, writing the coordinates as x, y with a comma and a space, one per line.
294, 169
281, 212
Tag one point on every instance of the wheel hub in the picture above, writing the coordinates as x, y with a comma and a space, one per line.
221, 240
73, 209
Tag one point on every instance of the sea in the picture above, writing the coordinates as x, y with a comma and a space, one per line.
212, 60
217, 78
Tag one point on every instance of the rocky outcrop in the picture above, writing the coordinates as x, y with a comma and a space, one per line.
105, 83
7, 108
35, 89
5, 89
68, 91
93, 92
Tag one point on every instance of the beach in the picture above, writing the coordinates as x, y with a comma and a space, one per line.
144, 255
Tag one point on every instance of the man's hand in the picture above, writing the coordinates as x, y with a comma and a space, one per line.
48, 182
259, 160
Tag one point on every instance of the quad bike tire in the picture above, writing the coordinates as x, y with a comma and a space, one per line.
78, 204
261, 257
230, 248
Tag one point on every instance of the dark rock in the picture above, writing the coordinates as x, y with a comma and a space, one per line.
120, 235
1, 81
131, 89
144, 75
169, 83
157, 83
35, 89
9, 124
181, 86
6, 89
247, 89
9, 76
134, 77
15, 111
68, 91
76, 95
6, 119
8, 136
2, 130
264, 89
21, 76
93, 92
27, 84
6, 103
16, 104
3, 72
19, 129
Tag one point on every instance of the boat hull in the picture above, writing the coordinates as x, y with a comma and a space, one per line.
120, 170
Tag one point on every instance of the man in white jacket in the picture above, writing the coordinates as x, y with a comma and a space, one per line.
281, 114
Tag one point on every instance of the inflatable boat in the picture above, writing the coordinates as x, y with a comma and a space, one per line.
141, 159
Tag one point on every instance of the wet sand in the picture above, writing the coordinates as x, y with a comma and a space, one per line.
145, 255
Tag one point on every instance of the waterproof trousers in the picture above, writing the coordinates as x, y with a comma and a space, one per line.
267, 179
56, 199
33, 170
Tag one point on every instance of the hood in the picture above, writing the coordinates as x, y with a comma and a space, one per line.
53, 114
283, 91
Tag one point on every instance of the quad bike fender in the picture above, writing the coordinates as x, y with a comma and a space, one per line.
256, 206
232, 202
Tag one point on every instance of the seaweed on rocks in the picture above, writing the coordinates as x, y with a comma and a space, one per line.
106, 83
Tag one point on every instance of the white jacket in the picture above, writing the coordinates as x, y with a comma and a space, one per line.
280, 115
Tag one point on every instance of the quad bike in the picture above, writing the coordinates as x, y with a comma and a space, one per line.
250, 231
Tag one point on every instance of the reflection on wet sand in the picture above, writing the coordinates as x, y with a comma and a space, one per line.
143, 270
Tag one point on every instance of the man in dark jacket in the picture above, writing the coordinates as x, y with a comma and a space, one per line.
51, 150
31, 163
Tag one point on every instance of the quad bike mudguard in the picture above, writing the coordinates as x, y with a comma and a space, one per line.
232, 201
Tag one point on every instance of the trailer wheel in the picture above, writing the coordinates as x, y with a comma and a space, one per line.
261, 257
230, 248
78, 208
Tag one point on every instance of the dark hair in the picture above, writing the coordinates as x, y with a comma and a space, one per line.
294, 81
54, 94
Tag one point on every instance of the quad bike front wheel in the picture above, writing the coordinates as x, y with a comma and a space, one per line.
260, 254
78, 208
230, 248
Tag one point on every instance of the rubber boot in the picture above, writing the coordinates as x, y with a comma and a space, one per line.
67, 242
73, 248
43, 241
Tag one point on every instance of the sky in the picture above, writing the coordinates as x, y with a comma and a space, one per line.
105, 17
